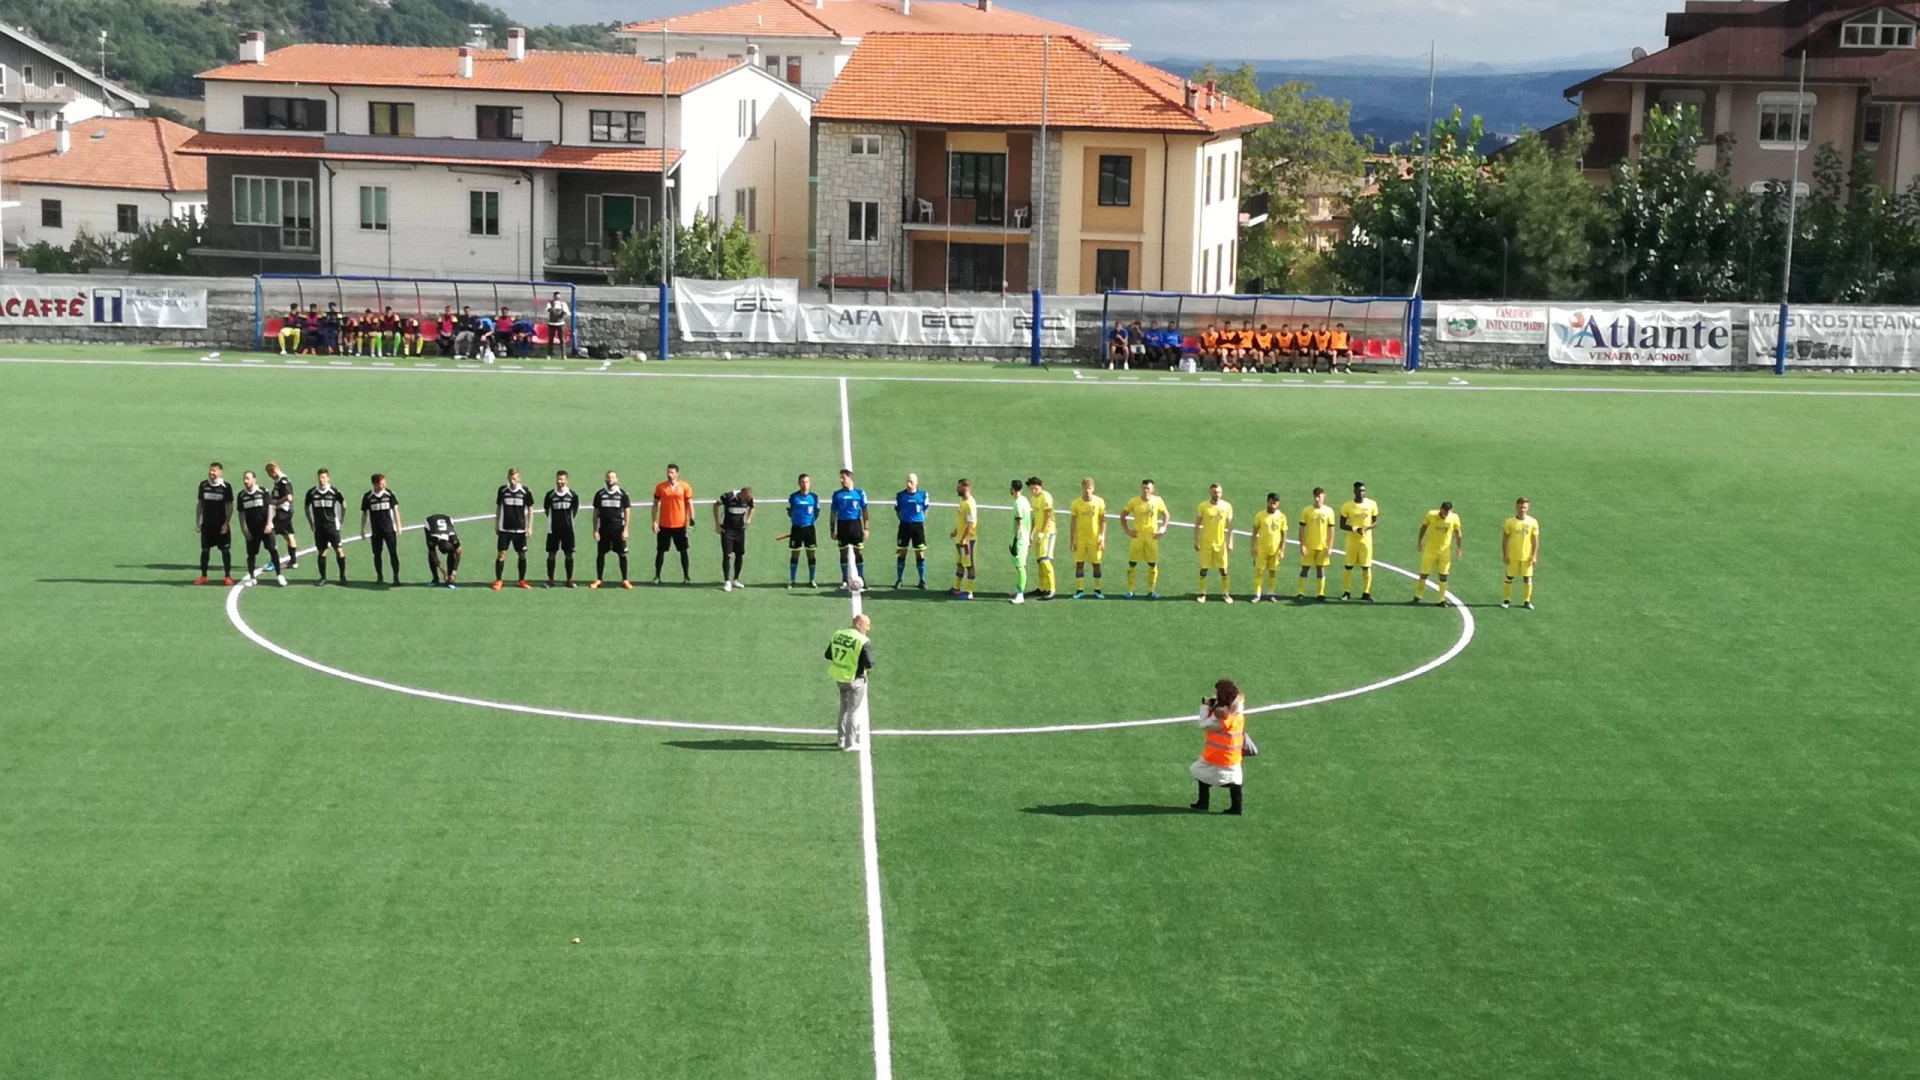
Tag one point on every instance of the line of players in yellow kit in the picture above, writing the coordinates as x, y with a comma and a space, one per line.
1145, 519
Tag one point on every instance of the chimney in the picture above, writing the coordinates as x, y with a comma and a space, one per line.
62, 140
986, 5
253, 48
516, 44
1213, 98
466, 62
1189, 97
753, 55
906, 7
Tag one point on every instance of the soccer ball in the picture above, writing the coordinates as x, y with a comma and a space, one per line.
858, 584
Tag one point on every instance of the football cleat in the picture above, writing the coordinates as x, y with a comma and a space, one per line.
594, 584
201, 580
496, 586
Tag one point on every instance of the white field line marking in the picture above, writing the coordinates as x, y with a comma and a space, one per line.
1459, 645
335, 363
382, 363
240, 623
990, 380
869, 833
296, 361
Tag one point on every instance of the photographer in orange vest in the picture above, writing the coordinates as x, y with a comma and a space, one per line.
1223, 718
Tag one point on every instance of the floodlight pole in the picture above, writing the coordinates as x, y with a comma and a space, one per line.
1420, 241
1786, 271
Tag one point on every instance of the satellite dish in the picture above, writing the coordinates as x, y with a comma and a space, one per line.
1639, 53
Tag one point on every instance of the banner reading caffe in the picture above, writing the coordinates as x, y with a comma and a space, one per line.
1640, 337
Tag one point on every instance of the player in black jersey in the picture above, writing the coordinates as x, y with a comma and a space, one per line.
256, 525
283, 530
612, 517
442, 541
561, 504
732, 513
212, 519
512, 523
380, 509
326, 509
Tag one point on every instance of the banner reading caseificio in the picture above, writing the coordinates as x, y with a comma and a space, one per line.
1507, 324
847, 324
108, 305
1837, 337
762, 310
1640, 337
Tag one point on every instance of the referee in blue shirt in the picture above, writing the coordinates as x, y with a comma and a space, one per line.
803, 507
911, 507
850, 527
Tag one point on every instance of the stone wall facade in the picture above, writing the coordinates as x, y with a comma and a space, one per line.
846, 177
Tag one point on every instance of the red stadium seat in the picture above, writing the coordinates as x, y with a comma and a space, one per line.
270, 331
539, 333
1375, 349
1190, 345
1395, 351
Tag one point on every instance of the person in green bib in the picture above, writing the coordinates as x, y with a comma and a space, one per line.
849, 658
1022, 530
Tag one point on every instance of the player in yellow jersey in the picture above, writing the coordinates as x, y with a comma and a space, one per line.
1316, 544
1044, 533
1358, 517
1145, 519
1520, 550
1213, 539
1269, 547
1087, 520
1440, 541
966, 530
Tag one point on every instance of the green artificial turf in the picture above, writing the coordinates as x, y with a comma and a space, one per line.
1664, 826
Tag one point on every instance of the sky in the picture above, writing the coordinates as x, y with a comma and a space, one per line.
1464, 31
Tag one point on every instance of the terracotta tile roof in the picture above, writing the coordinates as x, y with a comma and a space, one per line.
135, 153
543, 71
1750, 41
994, 81
569, 158
857, 19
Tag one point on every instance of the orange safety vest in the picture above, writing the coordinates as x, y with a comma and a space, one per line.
1223, 746
1321, 339
1283, 339
1339, 340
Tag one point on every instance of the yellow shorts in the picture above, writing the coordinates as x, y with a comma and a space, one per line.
1359, 552
1144, 549
1431, 563
1519, 569
1213, 558
1266, 560
1311, 557
1089, 551
1043, 544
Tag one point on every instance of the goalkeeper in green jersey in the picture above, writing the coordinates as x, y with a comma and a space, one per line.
1022, 533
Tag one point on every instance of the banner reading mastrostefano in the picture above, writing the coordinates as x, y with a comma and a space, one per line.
1640, 337
1832, 337
105, 305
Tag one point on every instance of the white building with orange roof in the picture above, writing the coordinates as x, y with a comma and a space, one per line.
808, 42
481, 163
931, 175
108, 177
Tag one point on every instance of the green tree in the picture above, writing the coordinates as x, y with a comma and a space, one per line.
1682, 231
700, 250
1463, 251
166, 247
1308, 150
1549, 217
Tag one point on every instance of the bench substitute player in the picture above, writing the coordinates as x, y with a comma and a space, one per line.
380, 523
283, 514
442, 542
512, 523
612, 518
256, 526
803, 511
560, 504
213, 521
326, 508
910, 506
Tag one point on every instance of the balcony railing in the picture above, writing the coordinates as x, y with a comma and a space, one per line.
932, 213
17, 92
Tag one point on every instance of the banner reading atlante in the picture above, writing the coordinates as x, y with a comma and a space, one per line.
1640, 337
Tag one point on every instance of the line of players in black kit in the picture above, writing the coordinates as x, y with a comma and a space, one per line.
266, 522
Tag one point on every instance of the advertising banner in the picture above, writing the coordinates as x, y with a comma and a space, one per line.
1837, 337
1506, 324
108, 305
762, 310
847, 324
1640, 337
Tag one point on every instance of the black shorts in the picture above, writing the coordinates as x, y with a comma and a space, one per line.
283, 524
324, 538
443, 547
733, 541
560, 541
913, 534
671, 538
848, 533
214, 538
610, 541
802, 536
515, 540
